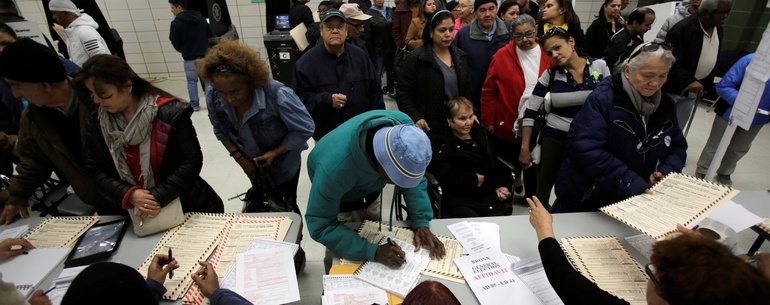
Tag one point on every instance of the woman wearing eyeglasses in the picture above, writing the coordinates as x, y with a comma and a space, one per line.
512, 75
414, 34
625, 138
559, 13
569, 82
260, 121
433, 74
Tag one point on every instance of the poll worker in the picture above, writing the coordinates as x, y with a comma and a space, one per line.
360, 157
686, 269
9, 295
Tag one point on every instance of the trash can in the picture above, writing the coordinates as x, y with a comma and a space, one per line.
281, 55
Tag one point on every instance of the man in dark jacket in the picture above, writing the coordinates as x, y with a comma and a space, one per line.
189, 35
382, 47
628, 38
481, 39
300, 13
52, 128
336, 81
313, 33
696, 42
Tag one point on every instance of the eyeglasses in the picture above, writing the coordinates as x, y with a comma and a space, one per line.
359, 26
519, 37
651, 47
652, 141
555, 30
331, 28
650, 270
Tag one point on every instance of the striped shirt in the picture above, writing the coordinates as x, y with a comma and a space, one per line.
567, 96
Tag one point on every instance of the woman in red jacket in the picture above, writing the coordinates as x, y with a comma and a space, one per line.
512, 75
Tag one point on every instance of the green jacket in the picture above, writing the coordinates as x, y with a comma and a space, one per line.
42, 150
341, 171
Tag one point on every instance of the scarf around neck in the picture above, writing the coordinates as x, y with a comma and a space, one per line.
645, 105
119, 134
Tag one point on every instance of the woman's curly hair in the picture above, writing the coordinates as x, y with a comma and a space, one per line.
231, 57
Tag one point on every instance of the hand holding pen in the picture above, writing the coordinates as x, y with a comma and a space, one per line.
162, 265
390, 254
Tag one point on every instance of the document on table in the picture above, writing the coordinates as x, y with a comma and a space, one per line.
603, 260
642, 243
398, 281
677, 199
473, 239
491, 279
532, 273
267, 276
27, 271
256, 245
16, 232
60, 232
62, 283
359, 296
735, 216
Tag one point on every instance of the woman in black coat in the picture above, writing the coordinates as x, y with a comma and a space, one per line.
601, 30
142, 147
465, 164
432, 74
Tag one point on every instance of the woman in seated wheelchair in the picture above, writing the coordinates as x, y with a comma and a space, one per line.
465, 164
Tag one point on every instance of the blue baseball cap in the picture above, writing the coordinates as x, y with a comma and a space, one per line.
404, 152
334, 13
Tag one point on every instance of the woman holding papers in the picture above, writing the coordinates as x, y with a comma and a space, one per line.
686, 269
625, 138
465, 163
142, 147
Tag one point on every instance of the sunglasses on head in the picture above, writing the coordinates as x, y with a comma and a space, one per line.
555, 30
651, 47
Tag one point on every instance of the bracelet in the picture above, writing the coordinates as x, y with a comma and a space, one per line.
235, 151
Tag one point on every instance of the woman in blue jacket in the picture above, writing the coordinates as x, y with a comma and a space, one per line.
625, 138
741, 140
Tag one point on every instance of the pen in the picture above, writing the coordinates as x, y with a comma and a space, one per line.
695, 227
171, 272
49, 290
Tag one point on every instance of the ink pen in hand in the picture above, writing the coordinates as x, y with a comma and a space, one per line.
49, 290
392, 243
170, 258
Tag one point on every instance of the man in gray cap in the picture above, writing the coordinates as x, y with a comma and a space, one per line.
83, 41
51, 129
358, 158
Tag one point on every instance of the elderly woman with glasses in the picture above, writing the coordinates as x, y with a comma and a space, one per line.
625, 138
512, 75
260, 121
683, 270
569, 82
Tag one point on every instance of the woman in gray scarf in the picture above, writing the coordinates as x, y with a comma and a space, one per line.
625, 138
142, 147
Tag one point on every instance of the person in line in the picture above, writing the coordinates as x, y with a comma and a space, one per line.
83, 41
9, 248
337, 81
628, 38
601, 30
430, 293
141, 147
300, 14
684, 10
696, 42
356, 159
382, 48
259, 121
405, 12
356, 23
416, 28
52, 129
559, 13
452, 7
465, 15
433, 74
531, 8
625, 138
189, 35
313, 33
740, 143
481, 39
509, 10
682, 270
465, 163
569, 82
512, 76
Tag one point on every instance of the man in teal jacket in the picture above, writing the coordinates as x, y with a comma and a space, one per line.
357, 158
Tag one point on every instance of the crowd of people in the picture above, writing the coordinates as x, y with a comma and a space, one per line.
597, 114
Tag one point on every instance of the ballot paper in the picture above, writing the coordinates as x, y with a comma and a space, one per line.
348, 290
531, 271
476, 237
267, 276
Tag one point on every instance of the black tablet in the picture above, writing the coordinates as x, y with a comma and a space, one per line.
99, 242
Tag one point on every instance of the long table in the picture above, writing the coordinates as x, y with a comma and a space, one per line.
133, 249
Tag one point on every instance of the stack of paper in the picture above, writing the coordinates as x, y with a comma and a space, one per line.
491, 279
16, 232
476, 236
62, 283
27, 271
267, 276
347, 290
398, 281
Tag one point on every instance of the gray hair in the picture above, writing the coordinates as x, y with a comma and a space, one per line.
639, 60
523, 19
710, 6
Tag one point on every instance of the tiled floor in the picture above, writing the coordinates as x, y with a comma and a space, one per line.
229, 180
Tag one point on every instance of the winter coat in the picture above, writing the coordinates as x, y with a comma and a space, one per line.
730, 84
83, 41
176, 160
420, 89
682, 11
381, 34
401, 21
604, 164
599, 34
480, 51
190, 34
686, 38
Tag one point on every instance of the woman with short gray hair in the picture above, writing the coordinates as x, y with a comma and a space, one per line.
625, 138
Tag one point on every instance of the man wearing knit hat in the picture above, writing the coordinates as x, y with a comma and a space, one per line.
358, 158
51, 128
481, 39
83, 41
